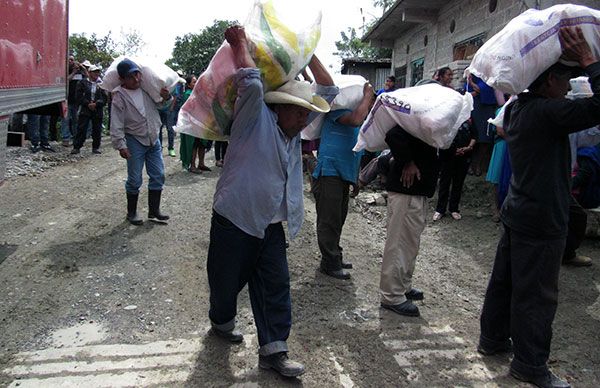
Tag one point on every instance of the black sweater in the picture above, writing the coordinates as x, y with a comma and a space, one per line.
537, 203
406, 148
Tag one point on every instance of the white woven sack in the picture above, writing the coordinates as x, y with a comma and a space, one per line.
513, 58
432, 113
350, 95
155, 76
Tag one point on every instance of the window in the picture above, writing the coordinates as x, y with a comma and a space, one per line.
452, 26
466, 49
416, 68
400, 74
492, 5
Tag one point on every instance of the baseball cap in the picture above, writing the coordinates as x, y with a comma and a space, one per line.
126, 67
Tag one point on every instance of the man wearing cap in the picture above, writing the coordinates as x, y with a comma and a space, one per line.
134, 128
522, 295
92, 99
261, 186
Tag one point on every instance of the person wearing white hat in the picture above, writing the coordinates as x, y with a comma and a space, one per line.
92, 99
260, 187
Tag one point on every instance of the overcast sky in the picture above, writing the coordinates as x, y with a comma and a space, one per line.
160, 22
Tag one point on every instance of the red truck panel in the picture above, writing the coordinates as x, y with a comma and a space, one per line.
33, 54
33, 43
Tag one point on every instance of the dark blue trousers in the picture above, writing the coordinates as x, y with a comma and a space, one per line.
235, 259
521, 299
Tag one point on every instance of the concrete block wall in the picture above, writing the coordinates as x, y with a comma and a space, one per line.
472, 18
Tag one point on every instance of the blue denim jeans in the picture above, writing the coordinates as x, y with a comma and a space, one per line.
151, 156
68, 125
37, 127
235, 259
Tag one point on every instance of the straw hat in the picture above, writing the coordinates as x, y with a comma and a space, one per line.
297, 93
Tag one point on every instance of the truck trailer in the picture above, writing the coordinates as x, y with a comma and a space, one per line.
33, 60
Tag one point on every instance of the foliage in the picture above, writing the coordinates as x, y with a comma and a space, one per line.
384, 4
352, 46
192, 52
131, 42
97, 50
102, 50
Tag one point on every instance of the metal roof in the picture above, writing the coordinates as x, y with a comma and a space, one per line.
366, 60
402, 16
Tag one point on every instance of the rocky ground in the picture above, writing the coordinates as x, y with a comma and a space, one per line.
89, 300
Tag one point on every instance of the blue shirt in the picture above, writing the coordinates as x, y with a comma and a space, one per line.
384, 90
336, 157
263, 167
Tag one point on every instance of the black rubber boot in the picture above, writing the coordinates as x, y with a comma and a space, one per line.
154, 213
132, 217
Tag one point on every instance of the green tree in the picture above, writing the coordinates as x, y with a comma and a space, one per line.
352, 46
97, 50
192, 52
101, 50
131, 42
384, 4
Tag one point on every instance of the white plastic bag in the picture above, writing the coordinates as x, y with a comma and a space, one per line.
279, 52
513, 58
580, 88
155, 76
350, 95
432, 113
498, 121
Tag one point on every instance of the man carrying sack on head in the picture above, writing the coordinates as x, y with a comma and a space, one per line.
522, 295
261, 186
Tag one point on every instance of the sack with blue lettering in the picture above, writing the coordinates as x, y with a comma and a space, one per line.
513, 58
432, 113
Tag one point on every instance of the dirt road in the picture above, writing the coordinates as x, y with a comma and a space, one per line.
89, 300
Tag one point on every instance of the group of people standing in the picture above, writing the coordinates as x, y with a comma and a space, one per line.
259, 190
85, 112
520, 302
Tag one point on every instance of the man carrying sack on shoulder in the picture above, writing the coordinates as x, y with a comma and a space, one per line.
259, 188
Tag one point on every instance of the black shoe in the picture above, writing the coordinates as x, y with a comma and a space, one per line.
47, 148
549, 380
415, 294
132, 216
154, 213
35, 149
338, 274
96, 151
505, 347
282, 364
232, 336
407, 308
75, 151
346, 265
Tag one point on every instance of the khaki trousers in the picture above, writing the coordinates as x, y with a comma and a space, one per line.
406, 221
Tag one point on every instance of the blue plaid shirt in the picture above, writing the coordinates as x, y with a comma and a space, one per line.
263, 167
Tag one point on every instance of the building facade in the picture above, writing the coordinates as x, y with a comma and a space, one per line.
374, 70
428, 34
